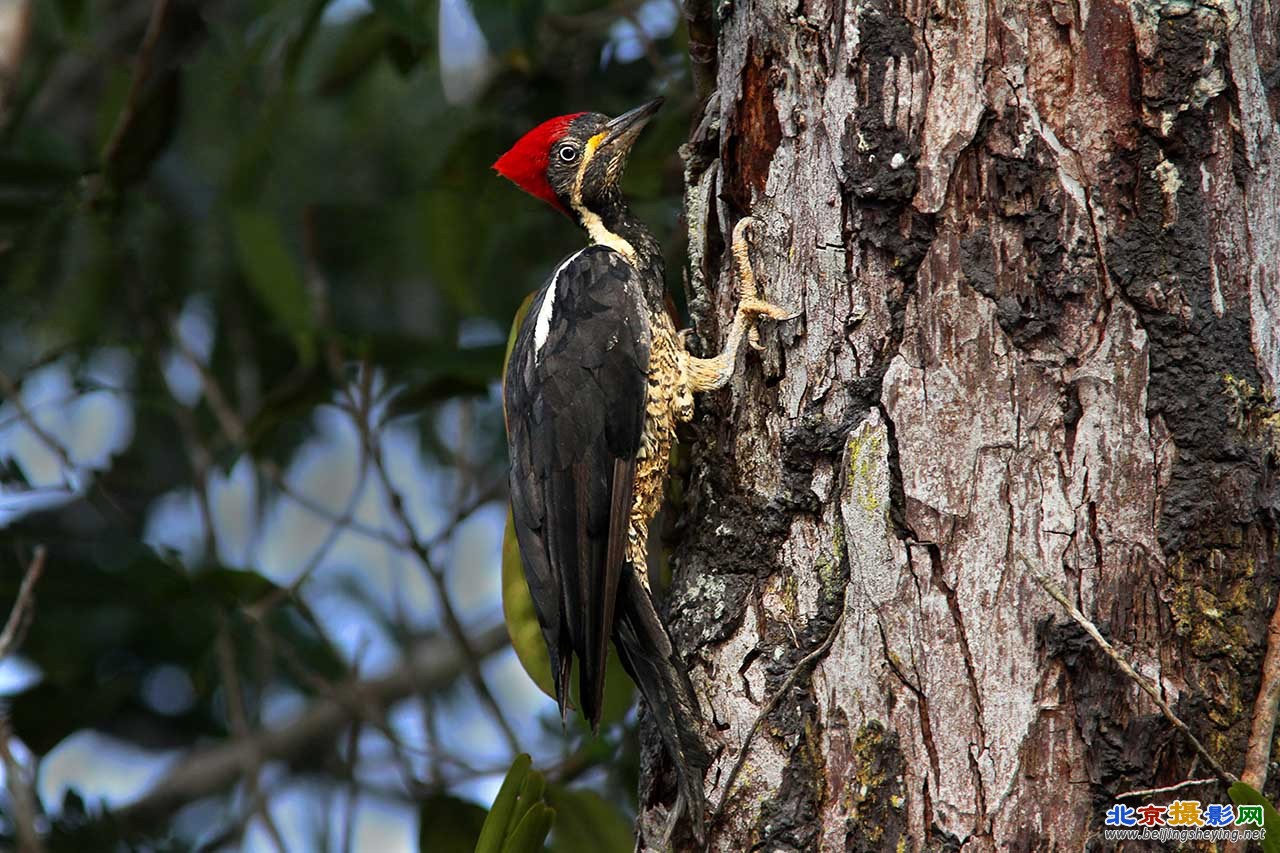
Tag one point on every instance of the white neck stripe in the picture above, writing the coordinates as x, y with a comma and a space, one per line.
603, 236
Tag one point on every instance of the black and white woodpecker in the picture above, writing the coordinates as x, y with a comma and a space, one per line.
597, 381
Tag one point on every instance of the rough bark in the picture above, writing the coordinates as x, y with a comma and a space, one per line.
1028, 239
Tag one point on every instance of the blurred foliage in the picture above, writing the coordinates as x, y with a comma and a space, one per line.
449, 825
587, 821
295, 169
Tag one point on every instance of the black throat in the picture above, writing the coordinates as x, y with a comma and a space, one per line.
616, 218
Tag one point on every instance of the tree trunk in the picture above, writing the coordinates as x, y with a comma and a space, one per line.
1028, 245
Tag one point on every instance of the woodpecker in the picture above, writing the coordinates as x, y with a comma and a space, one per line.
597, 380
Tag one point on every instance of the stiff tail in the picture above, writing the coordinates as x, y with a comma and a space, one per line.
646, 652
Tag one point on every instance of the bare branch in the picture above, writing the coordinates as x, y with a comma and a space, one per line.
63, 400
423, 553
20, 615
353, 790
236, 432
230, 675
1263, 728
201, 460
339, 524
18, 780
1168, 789
229, 422
431, 665
141, 76
22, 797
1137, 678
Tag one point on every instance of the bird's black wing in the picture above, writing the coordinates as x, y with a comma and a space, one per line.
574, 398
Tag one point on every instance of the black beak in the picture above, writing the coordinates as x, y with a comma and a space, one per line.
622, 131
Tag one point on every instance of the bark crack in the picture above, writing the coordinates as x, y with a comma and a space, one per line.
975, 694
1011, 517
922, 704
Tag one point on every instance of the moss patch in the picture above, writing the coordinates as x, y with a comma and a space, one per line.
866, 449
1213, 616
875, 797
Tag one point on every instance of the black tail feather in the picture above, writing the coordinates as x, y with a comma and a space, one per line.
646, 652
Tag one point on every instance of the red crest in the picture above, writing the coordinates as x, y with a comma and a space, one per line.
525, 165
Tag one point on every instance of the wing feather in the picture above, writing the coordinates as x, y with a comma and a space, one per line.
574, 397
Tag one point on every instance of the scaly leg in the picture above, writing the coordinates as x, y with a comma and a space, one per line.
708, 374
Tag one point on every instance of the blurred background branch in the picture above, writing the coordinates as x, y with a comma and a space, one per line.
23, 610
23, 803
433, 665
258, 276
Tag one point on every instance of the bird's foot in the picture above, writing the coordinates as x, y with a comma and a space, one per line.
750, 305
708, 374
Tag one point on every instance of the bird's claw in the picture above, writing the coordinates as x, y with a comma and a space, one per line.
753, 307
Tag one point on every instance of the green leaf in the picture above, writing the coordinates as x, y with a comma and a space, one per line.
361, 46
274, 275
521, 313
115, 85
448, 825
509, 25
231, 587
530, 796
530, 834
504, 805
587, 821
255, 147
522, 620
1244, 795
451, 226
306, 33
143, 131
71, 14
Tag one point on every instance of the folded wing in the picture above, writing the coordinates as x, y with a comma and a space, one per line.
574, 396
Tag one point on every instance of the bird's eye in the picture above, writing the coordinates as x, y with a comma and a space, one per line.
567, 153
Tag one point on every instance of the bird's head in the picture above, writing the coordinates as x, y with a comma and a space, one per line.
574, 162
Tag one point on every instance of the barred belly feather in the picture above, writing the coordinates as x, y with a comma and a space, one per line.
670, 401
